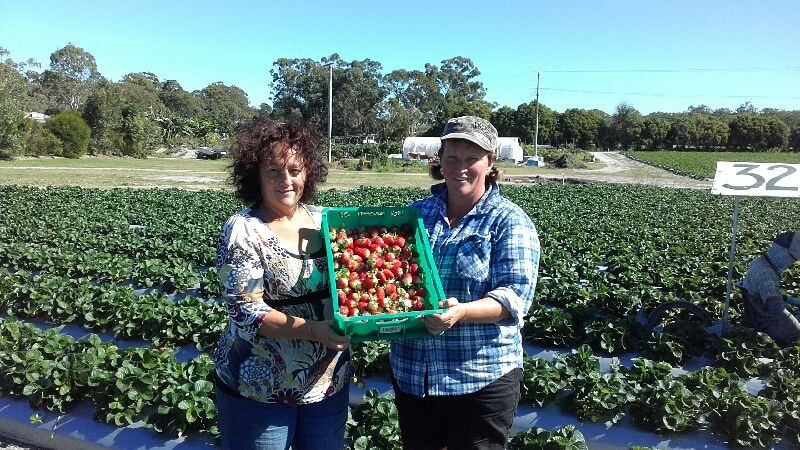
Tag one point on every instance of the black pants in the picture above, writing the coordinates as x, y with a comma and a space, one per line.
478, 421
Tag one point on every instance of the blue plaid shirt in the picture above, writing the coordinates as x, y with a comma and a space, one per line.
492, 252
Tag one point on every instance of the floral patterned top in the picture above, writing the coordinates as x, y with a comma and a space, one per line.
255, 268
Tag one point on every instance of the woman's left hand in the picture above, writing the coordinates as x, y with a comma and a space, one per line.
439, 323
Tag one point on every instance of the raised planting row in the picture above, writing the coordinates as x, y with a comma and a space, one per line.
139, 265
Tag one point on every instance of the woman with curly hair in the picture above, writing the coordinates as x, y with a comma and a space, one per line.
282, 373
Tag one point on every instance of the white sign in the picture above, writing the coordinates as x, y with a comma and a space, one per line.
757, 179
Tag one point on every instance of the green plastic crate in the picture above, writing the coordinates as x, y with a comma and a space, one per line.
384, 326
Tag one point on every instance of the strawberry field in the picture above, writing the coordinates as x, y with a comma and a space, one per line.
703, 164
135, 268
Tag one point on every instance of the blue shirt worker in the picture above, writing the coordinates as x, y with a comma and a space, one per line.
765, 308
460, 388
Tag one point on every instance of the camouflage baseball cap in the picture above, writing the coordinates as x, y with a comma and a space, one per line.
473, 129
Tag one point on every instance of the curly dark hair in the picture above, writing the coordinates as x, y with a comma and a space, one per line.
264, 139
435, 170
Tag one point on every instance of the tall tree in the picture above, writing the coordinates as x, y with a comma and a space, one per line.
142, 90
655, 130
360, 96
525, 118
412, 101
300, 89
71, 78
461, 93
626, 126
226, 106
504, 120
794, 138
181, 104
103, 113
580, 126
13, 90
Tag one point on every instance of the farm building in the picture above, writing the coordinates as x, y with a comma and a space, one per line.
415, 147
509, 150
37, 116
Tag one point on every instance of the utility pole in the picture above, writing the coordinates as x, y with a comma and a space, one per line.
330, 107
536, 132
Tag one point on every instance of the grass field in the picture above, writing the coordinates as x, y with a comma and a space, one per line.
194, 174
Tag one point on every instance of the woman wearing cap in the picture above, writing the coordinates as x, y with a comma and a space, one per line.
460, 388
282, 373
764, 308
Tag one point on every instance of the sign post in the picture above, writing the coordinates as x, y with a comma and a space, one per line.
752, 180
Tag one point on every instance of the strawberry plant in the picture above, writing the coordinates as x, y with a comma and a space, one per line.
711, 384
667, 406
65, 371
602, 397
784, 387
370, 358
548, 326
662, 347
209, 284
611, 336
542, 381
565, 438
373, 424
17, 354
577, 367
747, 421
787, 358
133, 386
186, 403
741, 350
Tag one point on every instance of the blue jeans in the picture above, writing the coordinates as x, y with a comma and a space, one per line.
250, 425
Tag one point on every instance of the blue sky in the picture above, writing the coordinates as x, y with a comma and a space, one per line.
653, 55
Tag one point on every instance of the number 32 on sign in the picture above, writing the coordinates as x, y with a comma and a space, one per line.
757, 179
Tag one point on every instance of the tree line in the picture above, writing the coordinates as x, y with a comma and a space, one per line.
140, 113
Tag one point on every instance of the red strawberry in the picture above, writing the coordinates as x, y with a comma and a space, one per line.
368, 282
380, 294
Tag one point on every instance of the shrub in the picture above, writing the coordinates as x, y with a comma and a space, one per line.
73, 132
10, 121
41, 142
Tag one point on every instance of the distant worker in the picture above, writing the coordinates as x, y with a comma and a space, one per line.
764, 303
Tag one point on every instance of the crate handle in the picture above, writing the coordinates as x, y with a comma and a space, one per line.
391, 321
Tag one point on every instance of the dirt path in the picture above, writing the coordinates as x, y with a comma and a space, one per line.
615, 168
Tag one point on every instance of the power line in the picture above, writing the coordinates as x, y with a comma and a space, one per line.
683, 70
653, 94
698, 69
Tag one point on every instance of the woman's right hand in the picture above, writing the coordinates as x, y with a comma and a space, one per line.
322, 331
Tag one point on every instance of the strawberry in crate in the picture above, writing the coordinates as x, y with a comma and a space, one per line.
377, 271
